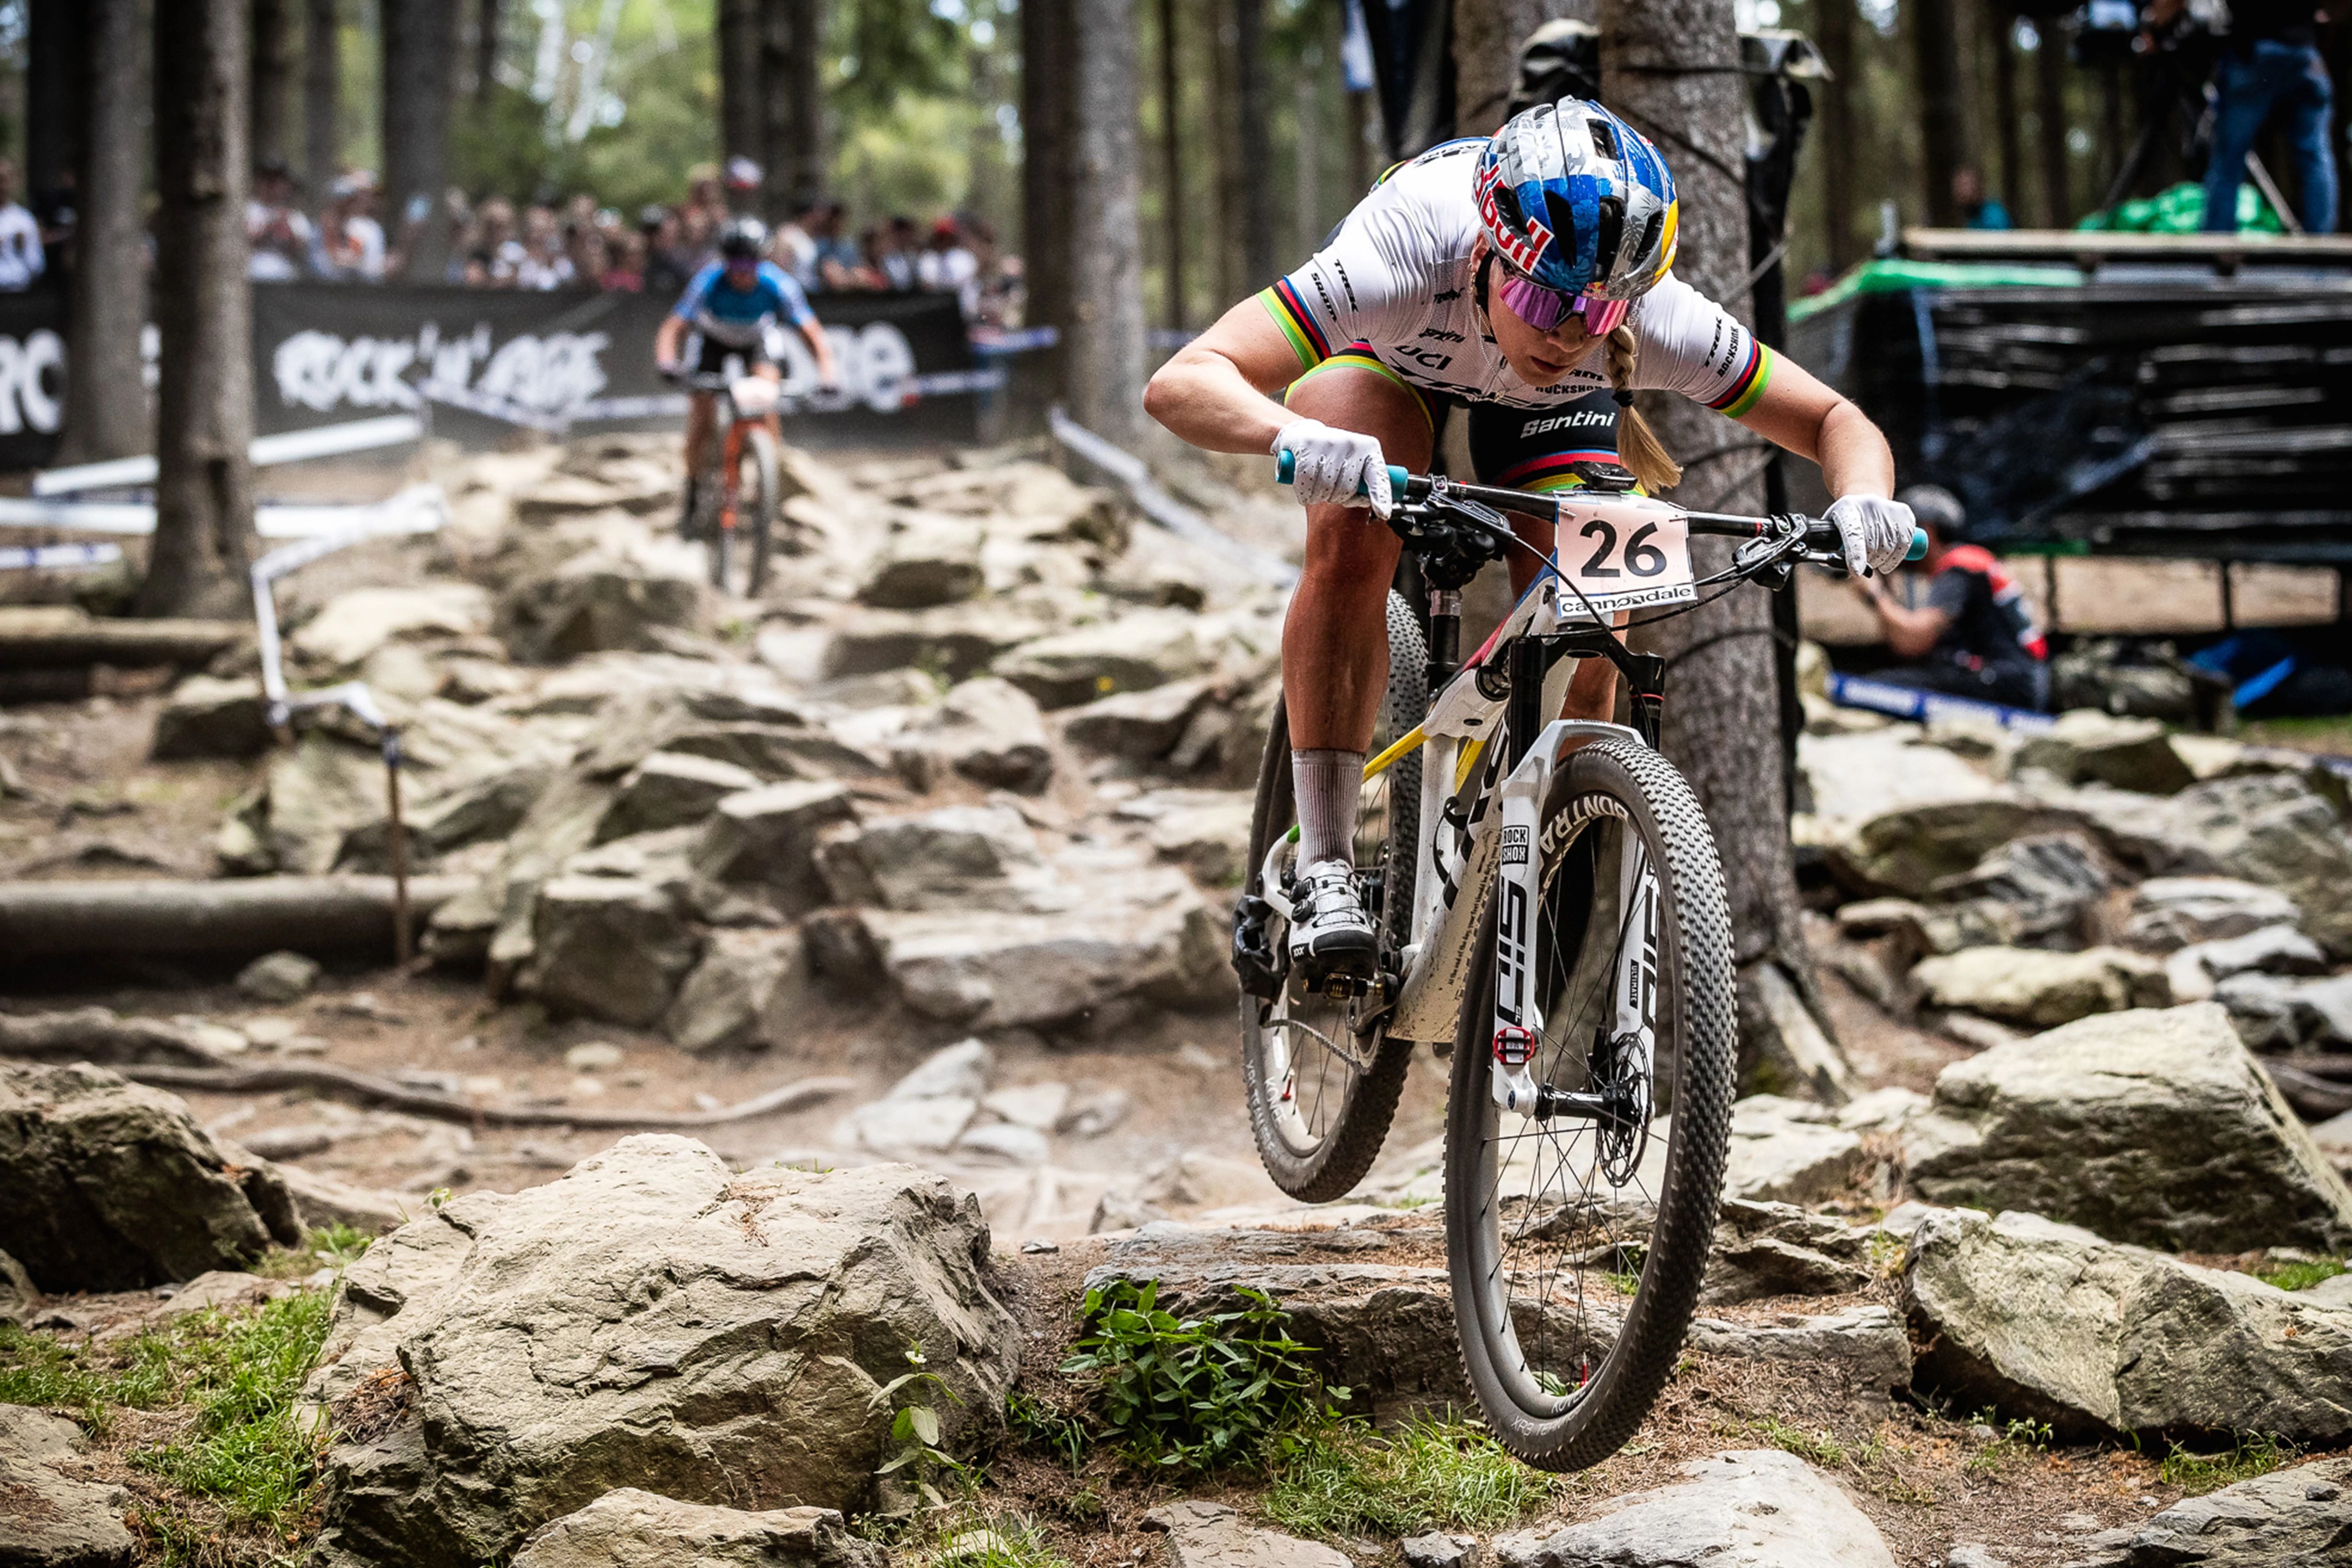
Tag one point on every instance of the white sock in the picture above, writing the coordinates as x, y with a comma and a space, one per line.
1327, 783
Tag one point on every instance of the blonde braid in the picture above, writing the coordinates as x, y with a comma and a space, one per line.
1638, 446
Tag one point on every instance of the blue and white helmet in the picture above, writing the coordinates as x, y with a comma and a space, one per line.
1578, 201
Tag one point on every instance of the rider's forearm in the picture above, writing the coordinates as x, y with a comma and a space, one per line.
822, 347
1203, 397
1855, 460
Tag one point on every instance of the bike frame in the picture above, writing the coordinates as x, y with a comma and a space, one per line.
729, 413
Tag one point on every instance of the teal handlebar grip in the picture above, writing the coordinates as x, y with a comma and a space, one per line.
1918, 545
1285, 470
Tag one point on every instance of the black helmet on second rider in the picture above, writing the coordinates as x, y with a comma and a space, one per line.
743, 239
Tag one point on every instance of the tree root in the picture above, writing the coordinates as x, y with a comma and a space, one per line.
367, 1088
97, 1034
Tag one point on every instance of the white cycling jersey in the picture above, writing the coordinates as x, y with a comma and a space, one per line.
1395, 282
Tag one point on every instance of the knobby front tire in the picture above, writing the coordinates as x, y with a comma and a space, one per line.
1576, 1249
738, 557
1323, 1086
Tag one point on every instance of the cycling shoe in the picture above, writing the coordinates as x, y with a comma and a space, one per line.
1330, 935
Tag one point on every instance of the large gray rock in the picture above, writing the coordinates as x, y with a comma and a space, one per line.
627, 1528
2169, 912
2298, 1516
1790, 1151
2270, 828
765, 839
1203, 1534
957, 640
958, 857
609, 947
113, 1186
205, 717
987, 729
2086, 745
924, 560
1894, 816
2152, 1126
2049, 1323
745, 995
46, 1518
1779, 1249
1867, 1348
671, 789
1757, 1509
642, 1322
2039, 890
2038, 989
1142, 726
1133, 653
593, 602
356, 623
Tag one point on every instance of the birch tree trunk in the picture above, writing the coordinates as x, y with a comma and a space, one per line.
1664, 64
204, 310
791, 48
272, 32
420, 43
1105, 331
322, 96
106, 400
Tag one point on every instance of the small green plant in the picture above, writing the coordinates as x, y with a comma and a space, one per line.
1342, 1478
1194, 1394
2017, 1439
965, 1533
1041, 1426
1821, 1448
244, 1376
2250, 1455
2301, 1276
338, 1246
1624, 1284
437, 1199
1887, 1254
915, 1428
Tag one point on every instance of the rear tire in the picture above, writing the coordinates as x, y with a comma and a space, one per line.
1576, 1248
1323, 1077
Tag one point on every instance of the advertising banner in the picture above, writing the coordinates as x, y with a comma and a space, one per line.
32, 376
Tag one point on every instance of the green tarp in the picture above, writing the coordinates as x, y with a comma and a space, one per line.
1889, 275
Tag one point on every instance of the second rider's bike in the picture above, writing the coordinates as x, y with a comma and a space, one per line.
735, 501
1551, 915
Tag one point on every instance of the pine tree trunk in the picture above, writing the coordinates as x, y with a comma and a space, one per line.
1723, 709
2050, 79
1833, 36
1106, 332
792, 45
106, 400
1999, 42
204, 310
1172, 161
486, 51
322, 96
53, 112
743, 123
420, 40
1231, 157
1487, 35
1250, 122
1047, 74
271, 77
1936, 56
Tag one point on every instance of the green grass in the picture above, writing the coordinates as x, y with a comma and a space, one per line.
244, 1376
2331, 735
34, 1369
1342, 1478
963, 1532
2301, 1276
2250, 1455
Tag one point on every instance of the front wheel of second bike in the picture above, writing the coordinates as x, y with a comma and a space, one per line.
1576, 1237
738, 555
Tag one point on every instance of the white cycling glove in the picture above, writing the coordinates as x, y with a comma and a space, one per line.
1872, 530
1336, 466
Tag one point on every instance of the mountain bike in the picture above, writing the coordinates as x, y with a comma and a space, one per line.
735, 505
1551, 915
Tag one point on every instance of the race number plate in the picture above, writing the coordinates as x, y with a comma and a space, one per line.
1624, 553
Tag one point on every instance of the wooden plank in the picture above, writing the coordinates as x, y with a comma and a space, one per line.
44, 637
2262, 594
2114, 594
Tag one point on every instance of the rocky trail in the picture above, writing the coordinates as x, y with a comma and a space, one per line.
819, 1000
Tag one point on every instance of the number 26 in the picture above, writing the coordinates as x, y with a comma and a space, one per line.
1642, 558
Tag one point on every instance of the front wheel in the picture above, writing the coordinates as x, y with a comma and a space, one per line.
1576, 1238
739, 553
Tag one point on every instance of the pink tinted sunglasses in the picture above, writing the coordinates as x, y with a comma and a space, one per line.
1544, 309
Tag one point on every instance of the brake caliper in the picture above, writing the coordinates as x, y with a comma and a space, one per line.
1515, 1087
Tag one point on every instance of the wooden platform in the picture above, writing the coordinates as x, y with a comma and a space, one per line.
2110, 595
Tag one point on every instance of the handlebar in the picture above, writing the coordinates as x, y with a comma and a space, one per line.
1820, 535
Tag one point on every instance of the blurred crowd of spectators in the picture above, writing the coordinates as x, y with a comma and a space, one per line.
580, 244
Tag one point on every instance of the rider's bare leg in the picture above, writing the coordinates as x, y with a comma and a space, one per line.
1592, 686
1335, 646
699, 410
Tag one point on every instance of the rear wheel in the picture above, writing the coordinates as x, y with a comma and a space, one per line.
1321, 1074
738, 555
1576, 1241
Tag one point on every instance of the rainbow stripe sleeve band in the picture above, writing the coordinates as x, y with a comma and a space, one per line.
1746, 388
1298, 324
